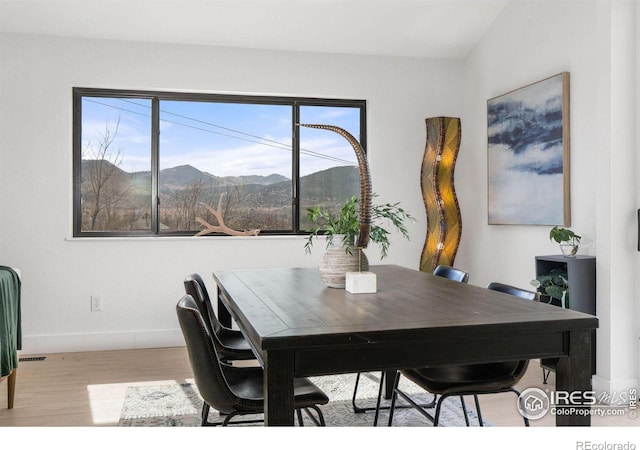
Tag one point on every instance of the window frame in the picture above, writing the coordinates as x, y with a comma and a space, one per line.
156, 96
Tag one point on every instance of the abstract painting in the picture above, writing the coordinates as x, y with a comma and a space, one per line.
528, 154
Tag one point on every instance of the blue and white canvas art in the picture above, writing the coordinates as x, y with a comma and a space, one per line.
528, 154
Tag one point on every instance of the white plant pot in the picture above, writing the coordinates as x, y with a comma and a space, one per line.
336, 262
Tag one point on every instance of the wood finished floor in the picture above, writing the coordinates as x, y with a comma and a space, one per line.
88, 389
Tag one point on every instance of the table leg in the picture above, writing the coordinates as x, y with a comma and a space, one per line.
224, 317
389, 378
573, 374
278, 388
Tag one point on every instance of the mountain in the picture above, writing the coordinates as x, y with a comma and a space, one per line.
342, 182
337, 183
182, 176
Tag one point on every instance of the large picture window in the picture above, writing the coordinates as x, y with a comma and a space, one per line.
157, 163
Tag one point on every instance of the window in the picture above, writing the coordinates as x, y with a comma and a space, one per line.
161, 163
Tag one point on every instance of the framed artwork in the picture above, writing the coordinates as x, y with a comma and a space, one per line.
528, 154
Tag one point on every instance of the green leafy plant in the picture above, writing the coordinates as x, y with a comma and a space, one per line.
347, 224
568, 240
554, 284
561, 235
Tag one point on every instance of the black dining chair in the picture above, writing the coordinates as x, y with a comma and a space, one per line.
449, 272
508, 289
234, 391
472, 379
230, 344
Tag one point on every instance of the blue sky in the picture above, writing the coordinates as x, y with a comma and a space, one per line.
224, 139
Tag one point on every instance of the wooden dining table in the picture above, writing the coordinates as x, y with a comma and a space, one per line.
298, 327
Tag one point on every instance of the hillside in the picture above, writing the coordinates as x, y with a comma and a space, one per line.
275, 190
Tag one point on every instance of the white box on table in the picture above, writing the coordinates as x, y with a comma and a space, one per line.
361, 282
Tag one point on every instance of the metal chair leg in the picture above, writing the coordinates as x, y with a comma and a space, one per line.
204, 414
394, 395
375, 418
318, 421
361, 409
378, 407
517, 392
464, 410
299, 414
480, 421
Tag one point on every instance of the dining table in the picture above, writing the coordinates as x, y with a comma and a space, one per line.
299, 327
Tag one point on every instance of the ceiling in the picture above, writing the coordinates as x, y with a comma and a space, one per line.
411, 28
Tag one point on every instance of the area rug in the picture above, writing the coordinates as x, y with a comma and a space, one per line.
179, 405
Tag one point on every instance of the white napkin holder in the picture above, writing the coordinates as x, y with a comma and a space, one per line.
361, 282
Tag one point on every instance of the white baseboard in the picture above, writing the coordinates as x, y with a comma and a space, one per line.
614, 389
126, 340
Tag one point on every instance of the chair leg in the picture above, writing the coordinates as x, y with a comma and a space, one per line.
299, 414
378, 407
360, 409
11, 388
375, 418
515, 391
228, 418
436, 417
464, 410
480, 421
205, 414
394, 396
320, 420
545, 375
356, 408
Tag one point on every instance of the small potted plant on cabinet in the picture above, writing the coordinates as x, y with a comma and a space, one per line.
568, 240
553, 285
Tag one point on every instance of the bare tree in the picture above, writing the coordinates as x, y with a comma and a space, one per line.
184, 204
104, 184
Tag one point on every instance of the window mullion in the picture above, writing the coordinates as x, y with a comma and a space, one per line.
295, 170
155, 165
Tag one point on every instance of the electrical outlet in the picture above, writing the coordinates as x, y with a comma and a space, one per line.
96, 303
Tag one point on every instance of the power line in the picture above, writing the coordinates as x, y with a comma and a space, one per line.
268, 142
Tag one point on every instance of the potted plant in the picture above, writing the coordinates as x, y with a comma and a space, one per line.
346, 224
554, 285
568, 240
341, 231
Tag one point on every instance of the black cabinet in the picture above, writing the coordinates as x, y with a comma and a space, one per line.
581, 278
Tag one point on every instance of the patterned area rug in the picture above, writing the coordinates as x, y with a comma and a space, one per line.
179, 405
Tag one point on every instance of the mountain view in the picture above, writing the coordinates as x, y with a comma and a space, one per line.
114, 199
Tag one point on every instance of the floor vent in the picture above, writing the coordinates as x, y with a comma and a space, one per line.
34, 358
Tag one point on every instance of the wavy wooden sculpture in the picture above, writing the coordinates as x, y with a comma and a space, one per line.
444, 222
365, 182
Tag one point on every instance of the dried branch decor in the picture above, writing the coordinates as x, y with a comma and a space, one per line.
221, 228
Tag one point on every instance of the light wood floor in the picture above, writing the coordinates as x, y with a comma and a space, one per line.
88, 389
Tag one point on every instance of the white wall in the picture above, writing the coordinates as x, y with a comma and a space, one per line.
593, 41
141, 279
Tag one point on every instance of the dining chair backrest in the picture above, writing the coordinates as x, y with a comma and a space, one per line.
451, 273
195, 287
507, 289
203, 357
